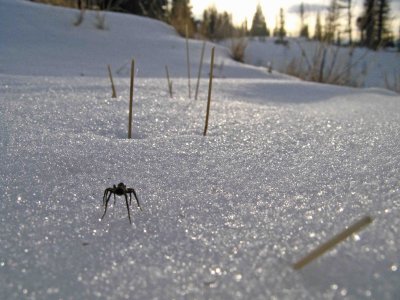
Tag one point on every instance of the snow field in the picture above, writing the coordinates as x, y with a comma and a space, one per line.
224, 215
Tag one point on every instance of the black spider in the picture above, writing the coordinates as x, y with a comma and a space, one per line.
120, 190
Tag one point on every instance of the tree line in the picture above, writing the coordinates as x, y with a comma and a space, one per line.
373, 24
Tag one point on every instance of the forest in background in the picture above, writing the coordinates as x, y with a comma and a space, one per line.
374, 24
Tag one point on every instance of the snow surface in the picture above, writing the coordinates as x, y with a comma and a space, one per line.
285, 166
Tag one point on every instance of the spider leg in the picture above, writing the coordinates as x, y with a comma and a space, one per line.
136, 197
115, 199
105, 196
105, 208
127, 207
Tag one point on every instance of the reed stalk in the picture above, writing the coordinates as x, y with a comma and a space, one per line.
169, 82
131, 99
114, 93
209, 91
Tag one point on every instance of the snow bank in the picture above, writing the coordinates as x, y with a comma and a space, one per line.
42, 40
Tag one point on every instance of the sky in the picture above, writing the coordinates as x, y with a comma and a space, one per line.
242, 10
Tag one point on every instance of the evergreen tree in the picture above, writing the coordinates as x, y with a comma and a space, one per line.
374, 23
332, 19
216, 26
281, 29
369, 23
225, 27
209, 23
347, 5
181, 17
132, 6
360, 22
275, 32
304, 32
152, 8
155, 8
303, 27
383, 33
318, 28
259, 26
301, 12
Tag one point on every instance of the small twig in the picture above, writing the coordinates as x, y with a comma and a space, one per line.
200, 67
131, 99
169, 82
209, 90
332, 242
114, 93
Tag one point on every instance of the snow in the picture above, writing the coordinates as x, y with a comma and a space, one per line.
285, 166
68, 50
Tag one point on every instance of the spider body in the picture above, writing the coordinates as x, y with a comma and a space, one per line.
120, 190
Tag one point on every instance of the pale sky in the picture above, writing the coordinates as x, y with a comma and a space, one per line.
241, 10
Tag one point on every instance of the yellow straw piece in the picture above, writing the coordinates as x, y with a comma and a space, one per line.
114, 93
332, 242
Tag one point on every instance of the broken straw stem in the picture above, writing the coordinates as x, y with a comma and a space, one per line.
114, 93
209, 90
332, 242
169, 81
131, 99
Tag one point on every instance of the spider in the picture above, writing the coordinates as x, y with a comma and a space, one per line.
119, 190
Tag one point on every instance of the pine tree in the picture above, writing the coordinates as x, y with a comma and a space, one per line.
331, 25
303, 27
374, 23
151, 8
259, 26
382, 30
275, 32
347, 5
225, 27
304, 32
181, 17
132, 7
215, 25
302, 12
360, 22
370, 23
209, 23
281, 30
155, 8
318, 28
